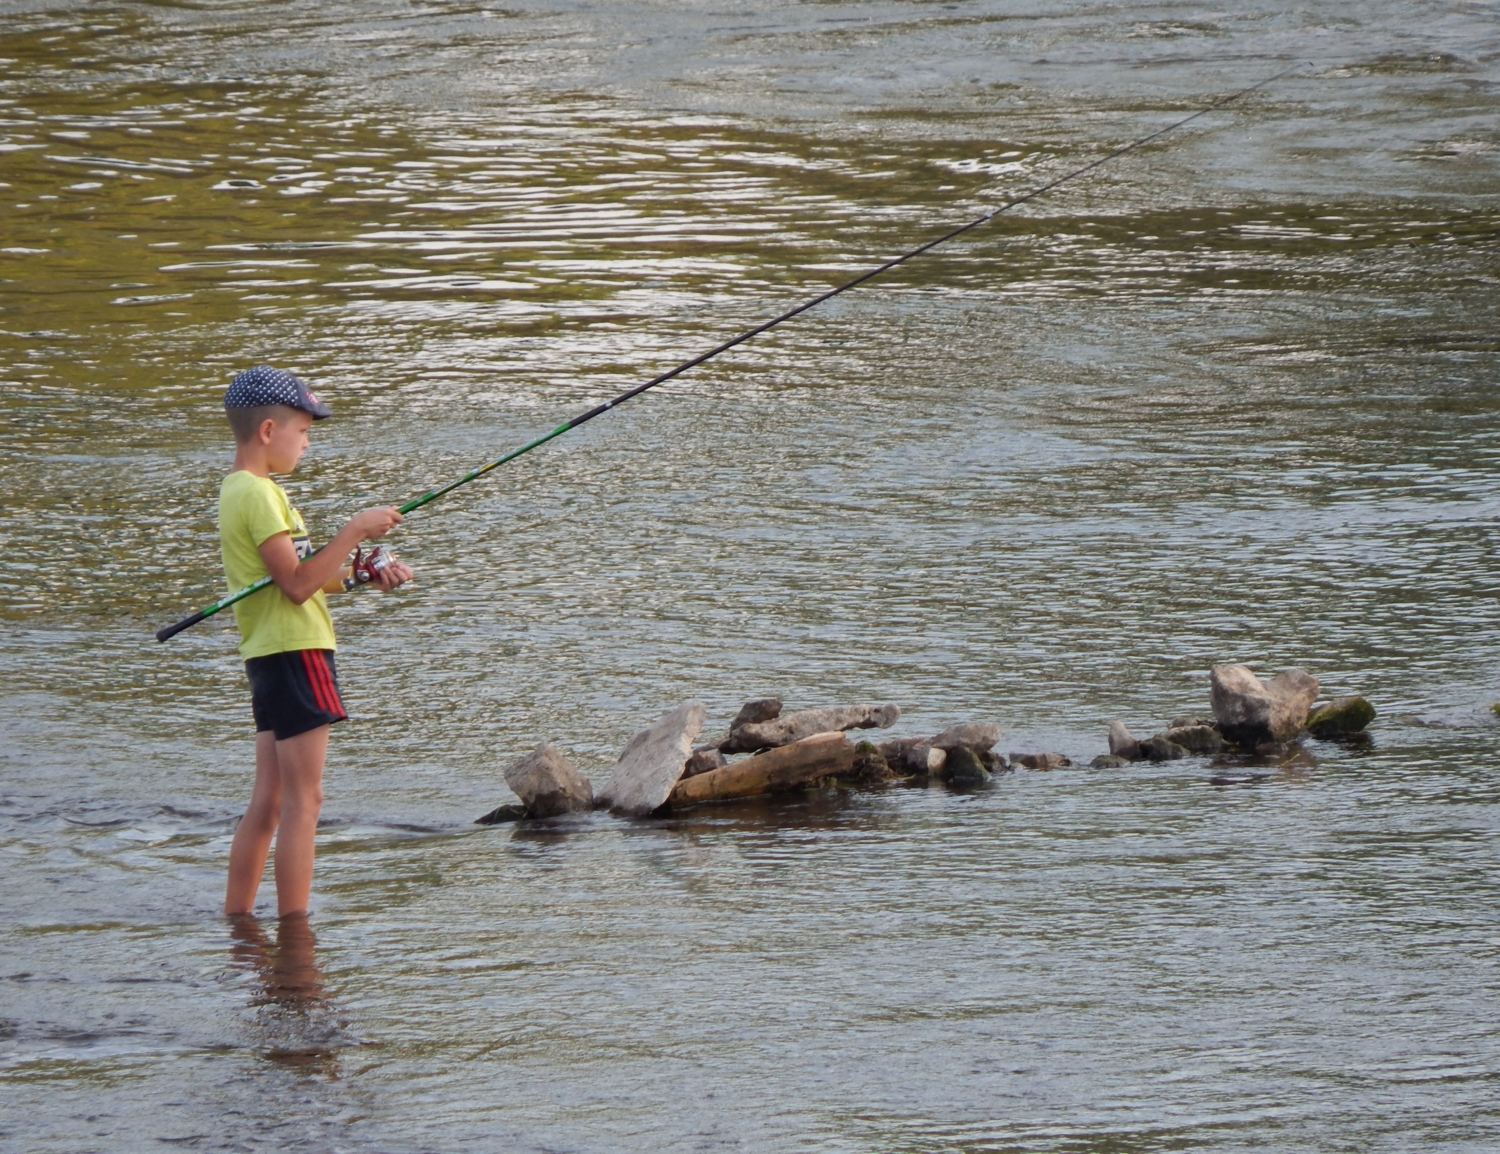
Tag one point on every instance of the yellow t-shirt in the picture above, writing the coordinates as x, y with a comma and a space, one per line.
251, 510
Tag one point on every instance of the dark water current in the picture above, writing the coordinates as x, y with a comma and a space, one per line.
1233, 398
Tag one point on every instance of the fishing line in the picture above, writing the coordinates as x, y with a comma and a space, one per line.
597, 410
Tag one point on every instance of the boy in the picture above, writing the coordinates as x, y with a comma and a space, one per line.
286, 636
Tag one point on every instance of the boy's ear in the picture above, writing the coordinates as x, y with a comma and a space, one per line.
265, 430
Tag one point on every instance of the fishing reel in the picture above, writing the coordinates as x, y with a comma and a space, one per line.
367, 566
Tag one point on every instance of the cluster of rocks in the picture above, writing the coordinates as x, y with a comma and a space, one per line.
664, 768
1250, 716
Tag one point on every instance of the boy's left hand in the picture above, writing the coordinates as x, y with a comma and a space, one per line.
394, 574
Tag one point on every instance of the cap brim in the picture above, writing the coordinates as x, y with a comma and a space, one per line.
311, 404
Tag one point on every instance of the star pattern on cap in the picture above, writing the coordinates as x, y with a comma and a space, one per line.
264, 385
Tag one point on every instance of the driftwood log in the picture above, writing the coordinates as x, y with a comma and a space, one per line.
820, 755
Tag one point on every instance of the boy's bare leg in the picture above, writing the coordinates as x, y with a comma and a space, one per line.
301, 761
252, 837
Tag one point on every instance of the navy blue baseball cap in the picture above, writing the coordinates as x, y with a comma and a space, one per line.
264, 385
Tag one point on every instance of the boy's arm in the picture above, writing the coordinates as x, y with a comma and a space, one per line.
299, 580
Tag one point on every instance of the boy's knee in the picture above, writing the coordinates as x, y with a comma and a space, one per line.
305, 797
262, 814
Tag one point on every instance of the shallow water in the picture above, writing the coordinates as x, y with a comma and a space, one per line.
1232, 398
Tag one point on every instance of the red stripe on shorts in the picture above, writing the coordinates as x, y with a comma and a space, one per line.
332, 686
314, 680
320, 693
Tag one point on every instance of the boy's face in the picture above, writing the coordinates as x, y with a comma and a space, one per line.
286, 441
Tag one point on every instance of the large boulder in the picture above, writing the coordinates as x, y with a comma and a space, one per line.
1341, 717
652, 763
792, 727
547, 783
1251, 711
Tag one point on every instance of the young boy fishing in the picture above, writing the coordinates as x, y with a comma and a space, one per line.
286, 635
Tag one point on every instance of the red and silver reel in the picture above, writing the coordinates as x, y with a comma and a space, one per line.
367, 566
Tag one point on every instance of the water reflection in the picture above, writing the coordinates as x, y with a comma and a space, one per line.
300, 1022
1232, 400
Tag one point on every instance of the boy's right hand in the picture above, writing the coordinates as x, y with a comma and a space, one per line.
373, 524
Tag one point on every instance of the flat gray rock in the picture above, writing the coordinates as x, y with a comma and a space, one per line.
651, 764
547, 783
970, 735
804, 723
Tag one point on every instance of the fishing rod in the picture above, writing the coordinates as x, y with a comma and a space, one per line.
474, 474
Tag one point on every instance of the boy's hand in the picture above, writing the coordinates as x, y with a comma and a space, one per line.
396, 573
373, 524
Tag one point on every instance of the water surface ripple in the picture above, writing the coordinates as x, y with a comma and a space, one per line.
1234, 398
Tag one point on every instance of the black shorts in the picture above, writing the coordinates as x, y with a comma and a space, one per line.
293, 692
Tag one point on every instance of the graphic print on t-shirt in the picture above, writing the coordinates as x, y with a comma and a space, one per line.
300, 540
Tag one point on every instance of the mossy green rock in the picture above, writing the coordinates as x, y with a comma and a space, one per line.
1109, 761
963, 767
1160, 748
1340, 717
1195, 738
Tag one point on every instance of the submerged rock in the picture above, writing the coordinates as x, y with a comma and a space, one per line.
1159, 748
1121, 743
1251, 711
790, 727
652, 763
1109, 761
547, 783
1195, 738
1341, 717
502, 813
1039, 760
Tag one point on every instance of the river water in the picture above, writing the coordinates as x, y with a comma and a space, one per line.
1232, 397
